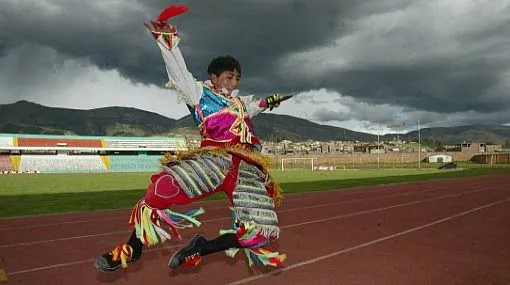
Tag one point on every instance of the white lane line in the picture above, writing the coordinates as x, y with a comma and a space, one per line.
305, 196
217, 219
61, 239
213, 208
80, 261
360, 200
126, 217
288, 226
383, 208
372, 242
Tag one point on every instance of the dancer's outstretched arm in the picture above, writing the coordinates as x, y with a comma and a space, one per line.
255, 105
178, 75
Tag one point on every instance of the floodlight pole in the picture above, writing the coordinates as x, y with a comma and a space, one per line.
419, 146
378, 130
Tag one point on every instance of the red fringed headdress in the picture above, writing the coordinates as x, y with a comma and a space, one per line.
172, 11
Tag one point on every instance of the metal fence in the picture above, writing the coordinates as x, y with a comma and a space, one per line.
376, 161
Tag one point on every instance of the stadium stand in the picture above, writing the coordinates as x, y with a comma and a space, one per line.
62, 163
130, 163
75, 154
143, 143
5, 158
5, 163
49, 142
6, 141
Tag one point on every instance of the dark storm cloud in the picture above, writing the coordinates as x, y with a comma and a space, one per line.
442, 86
111, 34
401, 53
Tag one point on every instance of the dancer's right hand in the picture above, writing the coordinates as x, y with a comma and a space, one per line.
160, 27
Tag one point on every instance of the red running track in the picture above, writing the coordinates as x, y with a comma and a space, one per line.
452, 231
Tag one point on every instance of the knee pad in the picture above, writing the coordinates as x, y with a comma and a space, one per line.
162, 192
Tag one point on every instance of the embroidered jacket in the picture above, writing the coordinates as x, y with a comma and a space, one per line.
222, 118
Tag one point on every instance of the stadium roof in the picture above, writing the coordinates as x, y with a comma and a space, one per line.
88, 137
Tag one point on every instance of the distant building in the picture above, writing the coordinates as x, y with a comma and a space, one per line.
439, 158
455, 147
472, 147
493, 148
348, 148
500, 158
377, 150
363, 148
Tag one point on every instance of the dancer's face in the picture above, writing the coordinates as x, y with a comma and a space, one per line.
227, 79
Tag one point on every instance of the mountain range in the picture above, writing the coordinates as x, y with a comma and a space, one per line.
32, 118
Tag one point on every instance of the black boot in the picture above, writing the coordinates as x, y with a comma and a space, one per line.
188, 255
221, 243
110, 261
198, 247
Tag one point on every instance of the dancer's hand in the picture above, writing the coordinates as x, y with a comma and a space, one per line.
273, 101
160, 27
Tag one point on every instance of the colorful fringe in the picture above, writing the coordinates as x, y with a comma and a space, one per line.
148, 222
249, 234
123, 253
262, 256
252, 157
265, 257
200, 175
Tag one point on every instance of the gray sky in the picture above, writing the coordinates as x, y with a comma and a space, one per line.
355, 64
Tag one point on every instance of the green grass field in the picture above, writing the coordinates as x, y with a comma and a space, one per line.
33, 194
75, 183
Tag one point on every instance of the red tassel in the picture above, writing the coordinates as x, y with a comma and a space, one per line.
133, 215
145, 240
172, 11
175, 231
275, 260
241, 232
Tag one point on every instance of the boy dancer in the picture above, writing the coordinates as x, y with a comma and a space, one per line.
228, 161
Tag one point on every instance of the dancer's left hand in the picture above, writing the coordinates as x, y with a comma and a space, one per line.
273, 101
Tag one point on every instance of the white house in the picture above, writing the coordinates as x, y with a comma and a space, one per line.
441, 158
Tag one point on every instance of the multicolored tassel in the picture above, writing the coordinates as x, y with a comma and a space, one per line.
148, 222
248, 234
123, 253
265, 257
262, 256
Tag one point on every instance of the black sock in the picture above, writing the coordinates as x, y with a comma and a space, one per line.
223, 242
135, 243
